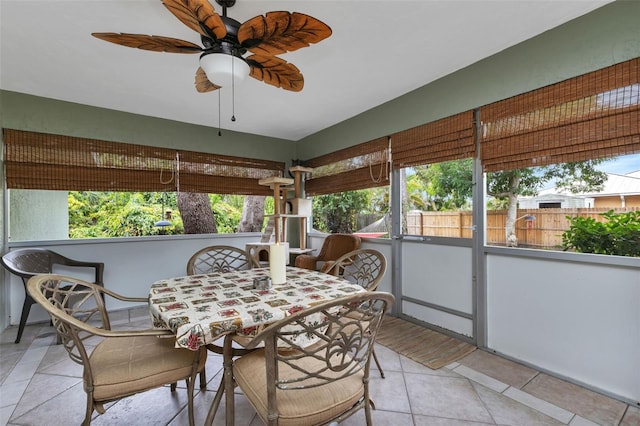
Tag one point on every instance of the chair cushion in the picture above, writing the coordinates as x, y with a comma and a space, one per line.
126, 365
297, 407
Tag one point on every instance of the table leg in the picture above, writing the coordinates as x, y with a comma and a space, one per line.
227, 362
226, 385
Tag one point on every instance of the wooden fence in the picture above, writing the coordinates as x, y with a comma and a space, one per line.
545, 231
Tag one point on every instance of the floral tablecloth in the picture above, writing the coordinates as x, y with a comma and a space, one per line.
201, 308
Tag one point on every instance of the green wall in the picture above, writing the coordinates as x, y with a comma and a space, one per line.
604, 37
25, 112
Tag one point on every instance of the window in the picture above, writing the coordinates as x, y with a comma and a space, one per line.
363, 212
436, 169
558, 135
351, 189
549, 205
438, 199
88, 188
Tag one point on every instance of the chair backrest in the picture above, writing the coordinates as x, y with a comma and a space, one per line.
28, 262
346, 330
365, 267
219, 259
76, 307
336, 245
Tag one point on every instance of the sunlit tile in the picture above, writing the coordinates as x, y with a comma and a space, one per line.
540, 405
585, 403
507, 411
504, 370
483, 379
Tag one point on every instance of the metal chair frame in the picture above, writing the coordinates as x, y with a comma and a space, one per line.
365, 267
346, 335
78, 313
219, 258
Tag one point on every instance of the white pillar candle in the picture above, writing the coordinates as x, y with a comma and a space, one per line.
278, 263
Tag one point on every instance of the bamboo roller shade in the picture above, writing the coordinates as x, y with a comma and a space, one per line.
450, 138
57, 162
358, 167
595, 115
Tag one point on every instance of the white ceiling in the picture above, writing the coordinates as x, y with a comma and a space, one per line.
379, 50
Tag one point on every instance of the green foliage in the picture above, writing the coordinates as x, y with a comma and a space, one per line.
122, 214
226, 213
379, 200
418, 194
619, 235
514, 182
336, 213
575, 177
448, 185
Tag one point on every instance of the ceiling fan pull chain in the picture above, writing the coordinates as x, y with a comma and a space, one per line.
233, 86
219, 129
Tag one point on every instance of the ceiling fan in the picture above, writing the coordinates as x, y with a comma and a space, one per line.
227, 41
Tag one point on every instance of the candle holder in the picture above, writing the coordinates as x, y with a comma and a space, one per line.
262, 283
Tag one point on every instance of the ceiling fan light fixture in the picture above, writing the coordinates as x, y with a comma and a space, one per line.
220, 67
225, 42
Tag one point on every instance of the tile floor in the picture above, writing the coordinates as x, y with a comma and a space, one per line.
40, 385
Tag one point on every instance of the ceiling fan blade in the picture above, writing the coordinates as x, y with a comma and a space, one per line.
198, 15
275, 71
203, 84
150, 42
280, 32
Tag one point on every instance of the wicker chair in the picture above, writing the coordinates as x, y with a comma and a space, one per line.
219, 259
334, 246
29, 262
325, 382
365, 267
123, 363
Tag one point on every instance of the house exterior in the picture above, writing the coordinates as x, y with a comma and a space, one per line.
619, 192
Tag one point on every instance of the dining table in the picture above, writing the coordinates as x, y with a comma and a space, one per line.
201, 309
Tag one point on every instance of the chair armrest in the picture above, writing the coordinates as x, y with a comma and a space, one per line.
121, 297
306, 261
158, 332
